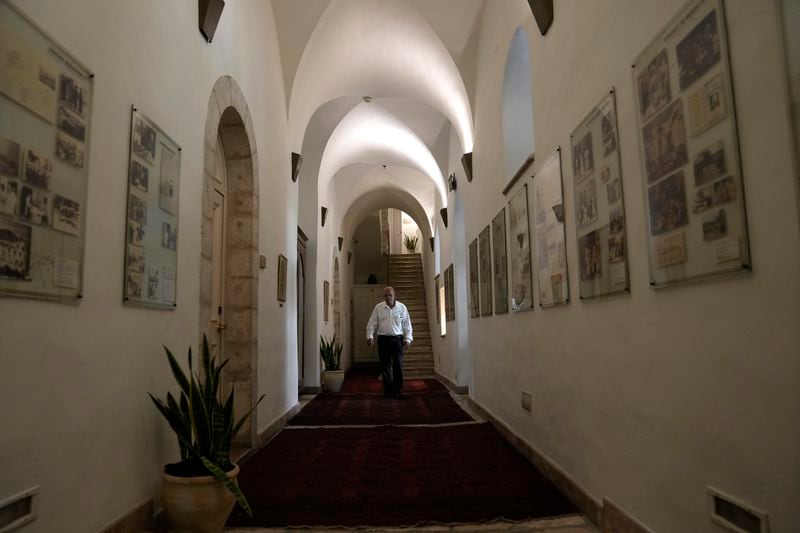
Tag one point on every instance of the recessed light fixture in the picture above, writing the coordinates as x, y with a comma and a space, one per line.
367, 99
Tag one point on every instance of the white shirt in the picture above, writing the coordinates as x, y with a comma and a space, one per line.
390, 321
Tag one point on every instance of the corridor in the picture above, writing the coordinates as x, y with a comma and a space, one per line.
425, 462
589, 209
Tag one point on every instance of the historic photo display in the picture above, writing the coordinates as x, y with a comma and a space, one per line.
152, 237
43, 163
500, 263
474, 284
599, 202
549, 234
485, 264
520, 252
696, 223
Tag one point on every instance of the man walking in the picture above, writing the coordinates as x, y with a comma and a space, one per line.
392, 323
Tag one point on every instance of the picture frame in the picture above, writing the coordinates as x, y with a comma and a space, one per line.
485, 262
474, 285
549, 233
326, 292
45, 136
282, 275
151, 221
600, 221
500, 263
695, 212
520, 252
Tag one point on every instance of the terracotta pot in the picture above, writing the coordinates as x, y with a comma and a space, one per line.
197, 504
333, 379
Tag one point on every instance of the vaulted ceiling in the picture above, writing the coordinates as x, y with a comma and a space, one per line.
407, 56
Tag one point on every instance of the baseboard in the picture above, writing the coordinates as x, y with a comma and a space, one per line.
617, 520
138, 518
587, 504
458, 389
311, 390
273, 429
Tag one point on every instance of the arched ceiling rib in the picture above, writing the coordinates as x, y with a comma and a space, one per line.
382, 199
355, 181
381, 49
370, 134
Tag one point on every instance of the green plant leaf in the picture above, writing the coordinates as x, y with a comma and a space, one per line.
177, 371
202, 423
240, 423
229, 484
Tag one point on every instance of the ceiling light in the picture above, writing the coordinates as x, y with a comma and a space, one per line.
367, 99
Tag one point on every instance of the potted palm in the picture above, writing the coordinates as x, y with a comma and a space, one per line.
331, 353
199, 492
410, 242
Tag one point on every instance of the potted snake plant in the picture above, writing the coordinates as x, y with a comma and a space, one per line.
410, 242
199, 491
331, 353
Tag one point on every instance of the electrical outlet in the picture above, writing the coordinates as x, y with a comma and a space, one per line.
526, 401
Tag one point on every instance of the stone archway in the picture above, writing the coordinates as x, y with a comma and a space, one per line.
232, 326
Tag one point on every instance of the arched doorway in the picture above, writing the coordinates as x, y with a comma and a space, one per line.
229, 246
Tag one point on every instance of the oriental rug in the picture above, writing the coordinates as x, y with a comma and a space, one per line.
393, 476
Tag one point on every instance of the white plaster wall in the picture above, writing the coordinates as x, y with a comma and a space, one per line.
650, 397
74, 379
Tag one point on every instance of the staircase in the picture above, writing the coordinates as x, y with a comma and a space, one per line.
405, 275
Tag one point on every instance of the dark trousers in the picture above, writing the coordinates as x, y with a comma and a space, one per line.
390, 351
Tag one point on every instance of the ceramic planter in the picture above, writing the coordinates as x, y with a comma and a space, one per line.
197, 504
333, 380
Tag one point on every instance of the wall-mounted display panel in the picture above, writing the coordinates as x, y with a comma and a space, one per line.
500, 263
45, 105
485, 255
450, 293
549, 235
694, 199
520, 253
151, 237
474, 298
599, 203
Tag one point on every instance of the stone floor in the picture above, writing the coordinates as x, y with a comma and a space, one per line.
566, 524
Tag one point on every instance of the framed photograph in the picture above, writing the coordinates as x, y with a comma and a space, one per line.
44, 152
450, 286
38, 170
326, 296
599, 201
693, 193
549, 233
474, 281
500, 263
485, 256
520, 253
9, 157
282, 274
151, 234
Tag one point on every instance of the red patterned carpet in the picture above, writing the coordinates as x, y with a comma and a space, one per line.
391, 475
364, 409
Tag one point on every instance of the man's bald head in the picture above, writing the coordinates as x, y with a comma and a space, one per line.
388, 296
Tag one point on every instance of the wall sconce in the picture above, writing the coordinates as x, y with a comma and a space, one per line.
297, 160
466, 161
451, 182
324, 213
